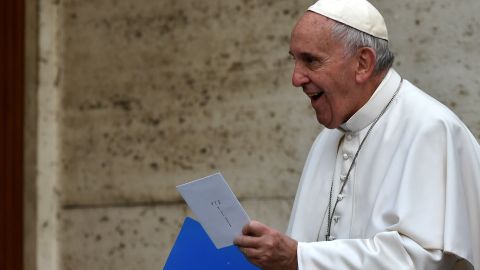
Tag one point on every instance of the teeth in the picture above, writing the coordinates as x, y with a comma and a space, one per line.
314, 94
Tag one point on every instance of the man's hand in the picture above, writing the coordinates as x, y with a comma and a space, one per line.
267, 248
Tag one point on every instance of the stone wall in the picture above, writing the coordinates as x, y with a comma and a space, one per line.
155, 94
152, 94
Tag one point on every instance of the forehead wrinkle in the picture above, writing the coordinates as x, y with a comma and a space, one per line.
312, 34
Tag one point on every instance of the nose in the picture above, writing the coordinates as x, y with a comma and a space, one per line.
299, 77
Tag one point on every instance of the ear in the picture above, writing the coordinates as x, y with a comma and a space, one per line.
366, 58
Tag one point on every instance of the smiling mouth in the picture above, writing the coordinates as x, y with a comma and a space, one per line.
315, 96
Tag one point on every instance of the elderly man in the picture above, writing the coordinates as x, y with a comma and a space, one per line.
394, 180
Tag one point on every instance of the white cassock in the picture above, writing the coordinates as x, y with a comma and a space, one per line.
412, 200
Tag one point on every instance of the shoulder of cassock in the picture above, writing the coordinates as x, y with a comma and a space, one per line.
446, 155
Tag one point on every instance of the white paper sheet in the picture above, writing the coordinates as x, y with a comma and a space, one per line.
216, 208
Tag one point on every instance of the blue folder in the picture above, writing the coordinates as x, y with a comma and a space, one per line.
193, 250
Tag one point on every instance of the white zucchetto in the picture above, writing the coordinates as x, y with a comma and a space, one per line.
359, 14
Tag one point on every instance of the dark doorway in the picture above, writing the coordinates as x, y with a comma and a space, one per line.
11, 133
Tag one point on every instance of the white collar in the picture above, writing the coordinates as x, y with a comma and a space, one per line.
370, 110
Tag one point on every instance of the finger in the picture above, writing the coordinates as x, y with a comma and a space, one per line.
246, 229
255, 228
246, 241
250, 253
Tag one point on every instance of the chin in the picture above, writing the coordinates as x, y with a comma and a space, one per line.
329, 125
323, 123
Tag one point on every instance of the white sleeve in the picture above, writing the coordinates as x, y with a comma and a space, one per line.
387, 250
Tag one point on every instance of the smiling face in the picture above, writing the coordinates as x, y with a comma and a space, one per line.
323, 70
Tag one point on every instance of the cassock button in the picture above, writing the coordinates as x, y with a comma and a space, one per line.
331, 238
340, 197
349, 137
343, 177
346, 156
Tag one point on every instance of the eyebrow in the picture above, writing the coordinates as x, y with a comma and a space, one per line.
304, 55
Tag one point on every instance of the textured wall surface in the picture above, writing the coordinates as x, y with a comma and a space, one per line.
157, 93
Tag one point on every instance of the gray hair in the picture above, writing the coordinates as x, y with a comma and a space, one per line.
355, 39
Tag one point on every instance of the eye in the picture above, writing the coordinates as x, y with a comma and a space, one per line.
311, 61
308, 60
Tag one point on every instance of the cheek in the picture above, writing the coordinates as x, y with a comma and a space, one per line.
324, 108
336, 106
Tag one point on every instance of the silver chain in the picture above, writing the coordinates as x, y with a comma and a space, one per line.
331, 211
